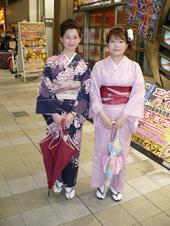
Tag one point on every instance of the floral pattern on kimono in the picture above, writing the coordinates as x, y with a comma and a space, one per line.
63, 79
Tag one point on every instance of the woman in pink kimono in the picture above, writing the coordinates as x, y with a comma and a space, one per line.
117, 103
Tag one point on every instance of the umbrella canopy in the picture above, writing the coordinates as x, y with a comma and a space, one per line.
56, 155
111, 162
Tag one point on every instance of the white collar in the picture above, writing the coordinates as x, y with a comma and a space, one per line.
70, 59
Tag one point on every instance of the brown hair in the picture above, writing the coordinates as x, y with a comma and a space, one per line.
120, 32
69, 24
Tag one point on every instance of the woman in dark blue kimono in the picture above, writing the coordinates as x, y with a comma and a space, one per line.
64, 96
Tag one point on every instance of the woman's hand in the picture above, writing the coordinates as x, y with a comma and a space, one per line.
106, 120
119, 122
57, 118
69, 117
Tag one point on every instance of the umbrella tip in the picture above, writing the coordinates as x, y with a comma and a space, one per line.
49, 193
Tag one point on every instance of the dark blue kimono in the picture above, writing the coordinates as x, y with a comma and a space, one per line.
64, 88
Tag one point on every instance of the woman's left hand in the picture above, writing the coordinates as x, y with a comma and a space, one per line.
120, 122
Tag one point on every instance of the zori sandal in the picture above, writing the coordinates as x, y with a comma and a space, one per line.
69, 192
100, 193
58, 187
116, 196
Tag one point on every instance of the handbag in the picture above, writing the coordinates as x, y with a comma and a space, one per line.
56, 154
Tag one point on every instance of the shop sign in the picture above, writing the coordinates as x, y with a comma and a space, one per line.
144, 16
153, 133
32, 46
90, 4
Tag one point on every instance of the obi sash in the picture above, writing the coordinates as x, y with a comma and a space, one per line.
67, 90
114, 95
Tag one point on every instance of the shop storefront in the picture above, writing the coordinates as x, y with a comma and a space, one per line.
149, 21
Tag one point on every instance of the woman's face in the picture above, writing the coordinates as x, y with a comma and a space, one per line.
117, 46
70, 40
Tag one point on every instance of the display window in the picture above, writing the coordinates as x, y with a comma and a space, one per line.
81, 19
94, 53
95, 35
95, 19
109, 19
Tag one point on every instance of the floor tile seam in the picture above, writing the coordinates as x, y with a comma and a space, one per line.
142, 194
30, 176
166, 213
22, 131
130, 213
141, 220
152, 201
4, 218
152, 217
48, 204
93, 214
61, 201
149, 178
13, 198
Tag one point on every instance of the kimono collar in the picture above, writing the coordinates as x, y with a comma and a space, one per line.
69, 59
117, 65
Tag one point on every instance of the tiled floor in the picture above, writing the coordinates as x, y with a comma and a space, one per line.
23, 190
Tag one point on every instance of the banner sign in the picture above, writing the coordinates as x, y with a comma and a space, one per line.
33, 46
153, 133
143, 16
89, 4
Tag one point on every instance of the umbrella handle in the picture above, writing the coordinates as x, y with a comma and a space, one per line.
62, 124
116, 135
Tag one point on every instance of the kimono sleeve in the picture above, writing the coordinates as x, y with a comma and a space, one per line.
45, 101
95, 97
81, 105
135, 105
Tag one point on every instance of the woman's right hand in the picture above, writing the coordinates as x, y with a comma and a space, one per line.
106, 120
57, 118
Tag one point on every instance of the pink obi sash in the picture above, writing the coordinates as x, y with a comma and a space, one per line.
113, 95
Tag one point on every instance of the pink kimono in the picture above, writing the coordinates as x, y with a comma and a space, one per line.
106, 73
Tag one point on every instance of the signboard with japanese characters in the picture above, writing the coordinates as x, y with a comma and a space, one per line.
90, 4
32, 48
153, 133
144, 16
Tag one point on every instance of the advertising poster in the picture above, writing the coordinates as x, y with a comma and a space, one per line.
33, 46
88, 4
153, 133
143, 16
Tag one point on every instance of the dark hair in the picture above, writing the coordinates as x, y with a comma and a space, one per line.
120, 32
69, 24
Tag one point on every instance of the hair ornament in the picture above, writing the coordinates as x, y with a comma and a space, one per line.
130, 34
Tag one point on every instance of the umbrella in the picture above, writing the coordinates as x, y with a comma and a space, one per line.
111, 162
56, 155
